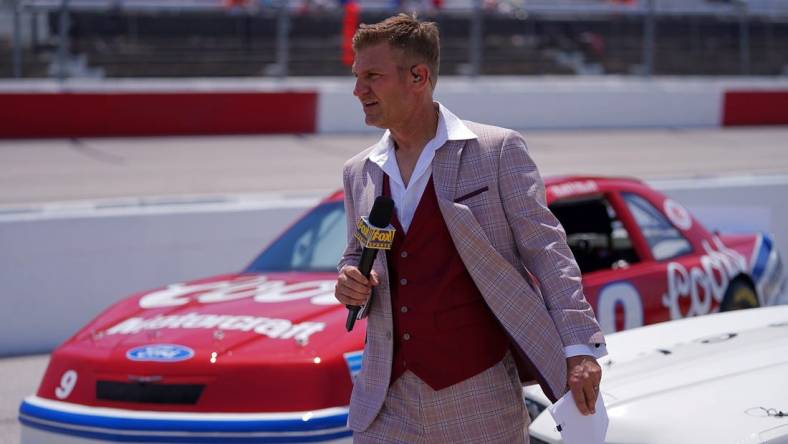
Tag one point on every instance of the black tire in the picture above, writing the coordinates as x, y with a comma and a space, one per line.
739, 295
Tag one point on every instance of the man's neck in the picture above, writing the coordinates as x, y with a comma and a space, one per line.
410, 139
421, 126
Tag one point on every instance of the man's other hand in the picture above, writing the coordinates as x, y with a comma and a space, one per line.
583, 375
352, 287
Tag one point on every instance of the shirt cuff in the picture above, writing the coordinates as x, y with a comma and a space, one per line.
595, 350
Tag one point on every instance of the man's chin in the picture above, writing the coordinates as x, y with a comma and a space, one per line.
371, 121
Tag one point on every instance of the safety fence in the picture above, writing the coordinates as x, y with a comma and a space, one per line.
279, 38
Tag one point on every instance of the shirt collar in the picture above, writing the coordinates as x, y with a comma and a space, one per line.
450, 127
455, 128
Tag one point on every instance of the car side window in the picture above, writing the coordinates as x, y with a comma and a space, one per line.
598, 239
664, 240
317, 247
314, 243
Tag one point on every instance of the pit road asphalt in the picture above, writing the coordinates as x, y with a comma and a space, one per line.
33, 172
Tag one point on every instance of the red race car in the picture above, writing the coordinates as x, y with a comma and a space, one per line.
263, 356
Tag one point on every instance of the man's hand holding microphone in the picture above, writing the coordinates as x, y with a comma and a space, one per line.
352, 287
354, 283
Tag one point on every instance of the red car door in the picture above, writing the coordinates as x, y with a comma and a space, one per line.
615, 238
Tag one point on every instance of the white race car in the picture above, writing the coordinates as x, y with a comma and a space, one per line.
718, 379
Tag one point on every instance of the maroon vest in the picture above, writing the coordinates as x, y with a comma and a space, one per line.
443, 330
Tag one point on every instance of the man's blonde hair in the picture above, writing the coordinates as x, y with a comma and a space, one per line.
419, 41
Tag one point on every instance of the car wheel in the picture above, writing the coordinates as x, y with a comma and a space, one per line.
738, 296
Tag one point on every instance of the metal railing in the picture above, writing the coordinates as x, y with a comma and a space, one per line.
646, 11
765, 8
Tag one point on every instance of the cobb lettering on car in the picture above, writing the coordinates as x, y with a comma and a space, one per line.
263, 356
702, 283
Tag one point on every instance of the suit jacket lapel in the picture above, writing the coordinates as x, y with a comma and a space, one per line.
445, 172
372, 187
445, 167
472, 243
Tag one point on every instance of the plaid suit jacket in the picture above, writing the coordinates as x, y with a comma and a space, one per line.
502, 233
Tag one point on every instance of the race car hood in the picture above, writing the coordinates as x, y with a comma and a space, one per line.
708, 386
229, 333
277, 313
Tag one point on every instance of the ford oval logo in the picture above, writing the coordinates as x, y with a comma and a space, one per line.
160, 353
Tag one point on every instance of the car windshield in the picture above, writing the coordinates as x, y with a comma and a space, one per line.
314, 243
665, 241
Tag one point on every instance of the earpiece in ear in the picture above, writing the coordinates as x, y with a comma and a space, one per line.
416, 77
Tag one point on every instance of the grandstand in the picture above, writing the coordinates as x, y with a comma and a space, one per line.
209, 38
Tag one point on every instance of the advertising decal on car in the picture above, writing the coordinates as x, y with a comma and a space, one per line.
67, 383
273, 328
258, 287
619, 294
677, 214
702, 283
160, 353
578, 187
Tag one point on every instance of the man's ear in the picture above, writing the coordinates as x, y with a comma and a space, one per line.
414, 73
419, 73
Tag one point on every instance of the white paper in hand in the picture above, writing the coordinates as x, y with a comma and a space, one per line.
576, 428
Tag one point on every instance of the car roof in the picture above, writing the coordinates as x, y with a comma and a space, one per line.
601, 180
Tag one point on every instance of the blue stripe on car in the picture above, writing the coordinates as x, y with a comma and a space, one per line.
759, 266
186, 437
171, 425
353, 360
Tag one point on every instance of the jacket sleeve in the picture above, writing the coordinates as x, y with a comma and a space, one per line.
352, 253
541, 244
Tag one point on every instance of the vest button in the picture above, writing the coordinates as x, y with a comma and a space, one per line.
404, 254
406, 336
403, 281
403, 309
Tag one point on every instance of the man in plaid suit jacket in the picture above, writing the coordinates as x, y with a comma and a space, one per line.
491, 198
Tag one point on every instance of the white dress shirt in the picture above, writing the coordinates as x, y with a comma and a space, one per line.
406, 198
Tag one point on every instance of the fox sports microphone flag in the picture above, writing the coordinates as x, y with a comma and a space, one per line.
373, 233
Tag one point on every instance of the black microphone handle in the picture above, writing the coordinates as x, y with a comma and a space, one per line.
367, 258
365, 267
352, 314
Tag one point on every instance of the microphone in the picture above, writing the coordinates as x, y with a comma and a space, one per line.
373, 233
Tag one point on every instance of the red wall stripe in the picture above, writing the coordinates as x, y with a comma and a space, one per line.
148, 114
755, 108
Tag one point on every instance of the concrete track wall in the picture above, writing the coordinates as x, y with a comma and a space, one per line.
326, 105
59, 269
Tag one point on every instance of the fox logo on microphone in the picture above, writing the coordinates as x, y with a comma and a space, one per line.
371, 236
